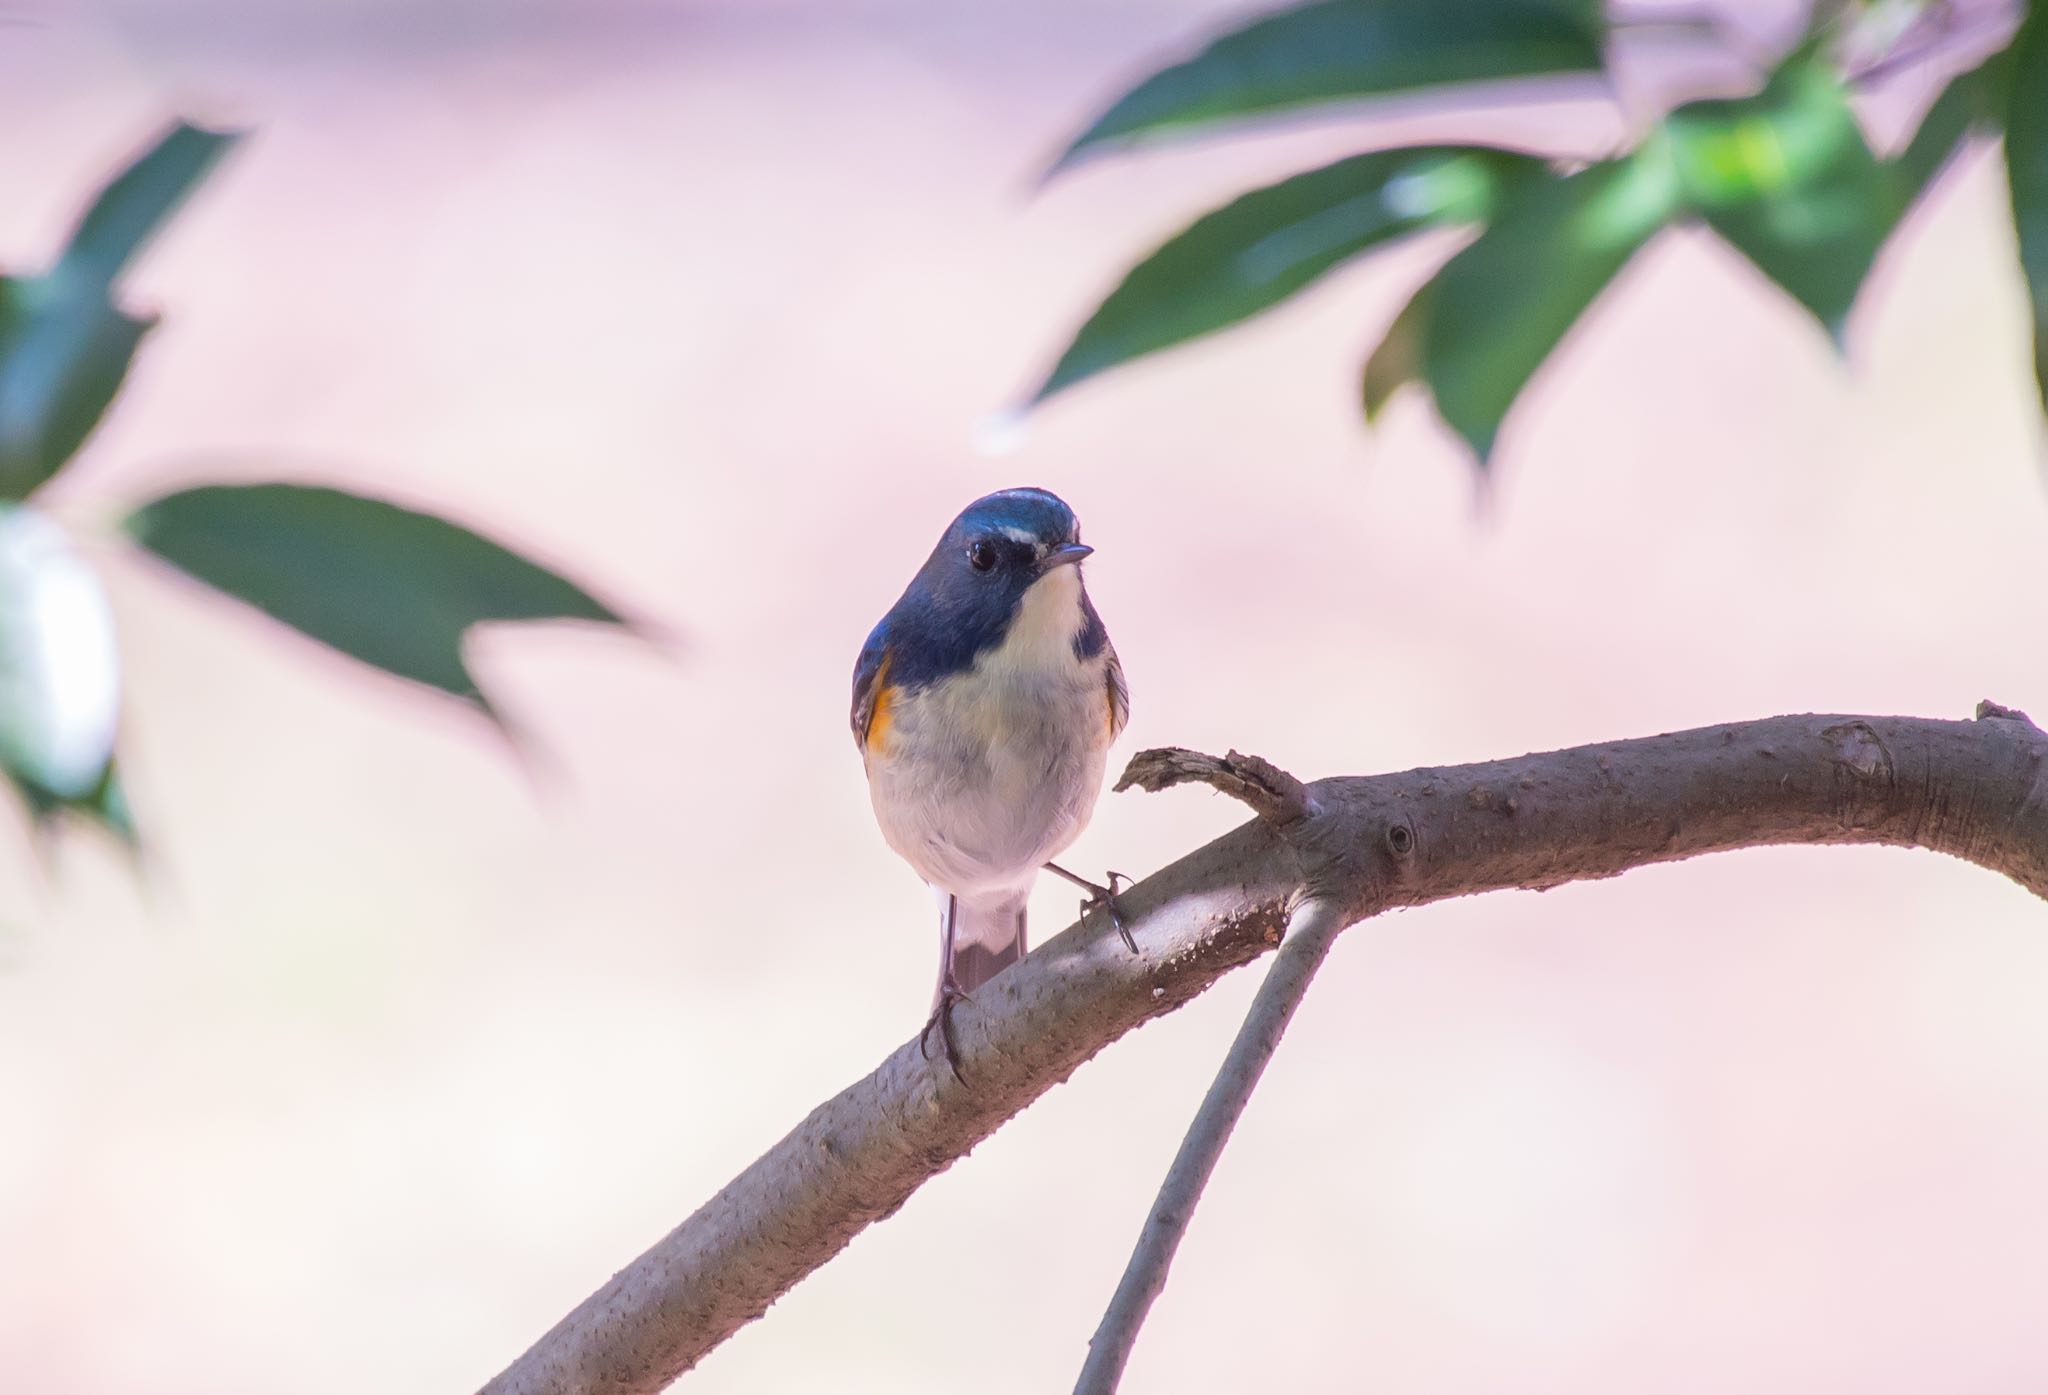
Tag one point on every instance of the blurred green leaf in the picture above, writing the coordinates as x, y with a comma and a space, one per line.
1256, 251
64, 353
1496, 310
1337, 49
65, 348
134, 206
106, 804
60, 686
387, 585
1787, 178
2026, 166
1972, 103
1398, 359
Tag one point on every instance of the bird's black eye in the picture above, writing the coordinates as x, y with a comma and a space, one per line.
982, 556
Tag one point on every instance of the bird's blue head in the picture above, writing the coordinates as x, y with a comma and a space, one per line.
1010, 559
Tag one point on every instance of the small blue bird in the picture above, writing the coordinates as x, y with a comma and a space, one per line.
984, 705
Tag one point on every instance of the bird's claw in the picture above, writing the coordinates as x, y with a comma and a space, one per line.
1100, 896
1105, 899
942, 1018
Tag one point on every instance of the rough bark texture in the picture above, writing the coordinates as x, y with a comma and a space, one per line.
1975, 789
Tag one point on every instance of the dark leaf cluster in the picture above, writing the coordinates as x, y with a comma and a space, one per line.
1784, 175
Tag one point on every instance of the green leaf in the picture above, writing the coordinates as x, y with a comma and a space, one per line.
1787, 178
1497, 309
134, 206
387, 585
64, 353
2026, 167
1973, 103
1398, 359
65, 348
1255, 252
1338, 49
60, 685
106, 804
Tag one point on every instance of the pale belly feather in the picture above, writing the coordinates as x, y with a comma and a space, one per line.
988, 775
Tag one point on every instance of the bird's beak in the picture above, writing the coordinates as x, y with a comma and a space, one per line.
1062, 556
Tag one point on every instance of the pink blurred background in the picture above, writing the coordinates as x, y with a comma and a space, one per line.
405, 1047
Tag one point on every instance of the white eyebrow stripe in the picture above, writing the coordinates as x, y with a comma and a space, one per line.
1022, 535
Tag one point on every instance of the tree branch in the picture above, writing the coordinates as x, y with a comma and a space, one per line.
1269, 791
1977, 790
1309, 938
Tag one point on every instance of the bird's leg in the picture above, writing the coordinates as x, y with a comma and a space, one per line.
950, 993
942, 1018
1103, 896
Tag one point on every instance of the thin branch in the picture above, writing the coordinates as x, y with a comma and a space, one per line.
1309, 937
1973, 789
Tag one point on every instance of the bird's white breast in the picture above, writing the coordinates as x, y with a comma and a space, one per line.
1041, 637
990, 773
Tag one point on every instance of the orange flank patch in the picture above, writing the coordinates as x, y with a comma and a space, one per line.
879, 714
1119, 700
878, 720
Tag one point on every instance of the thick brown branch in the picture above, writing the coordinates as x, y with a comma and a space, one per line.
1977, 789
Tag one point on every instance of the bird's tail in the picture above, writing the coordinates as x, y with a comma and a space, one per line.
988, 936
